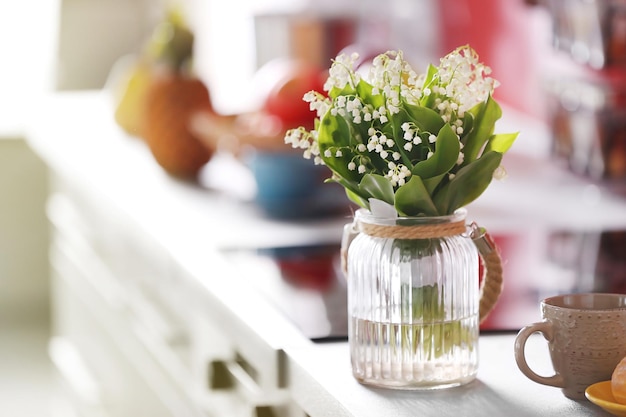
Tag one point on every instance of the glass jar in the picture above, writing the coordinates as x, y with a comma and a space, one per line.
413, 301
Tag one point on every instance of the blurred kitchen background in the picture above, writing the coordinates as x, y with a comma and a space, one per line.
561, 64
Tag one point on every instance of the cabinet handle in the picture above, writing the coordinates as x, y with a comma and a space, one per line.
232, 374
238, 376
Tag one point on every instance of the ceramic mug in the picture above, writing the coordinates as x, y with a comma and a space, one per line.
586, 336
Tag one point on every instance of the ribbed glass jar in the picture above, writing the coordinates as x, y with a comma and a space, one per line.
413, 301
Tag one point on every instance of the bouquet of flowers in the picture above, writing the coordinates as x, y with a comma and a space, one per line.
422, 143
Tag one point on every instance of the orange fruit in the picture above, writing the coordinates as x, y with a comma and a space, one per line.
173, 95
171, 101
618, 382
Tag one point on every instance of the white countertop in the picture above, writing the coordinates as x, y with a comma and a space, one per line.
499, 390
76, 135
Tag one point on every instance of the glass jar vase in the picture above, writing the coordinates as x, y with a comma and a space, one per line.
413, 301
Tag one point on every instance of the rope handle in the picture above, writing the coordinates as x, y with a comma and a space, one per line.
491, 285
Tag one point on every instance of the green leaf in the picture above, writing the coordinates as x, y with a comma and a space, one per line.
501, 142
413, 199
468, 184
468, 126
335, 132
446, 154
348, 185
376, 186
485, 116
430, 75
357, 199
433, 182
347, 90
364, 91
425, 118
427, 101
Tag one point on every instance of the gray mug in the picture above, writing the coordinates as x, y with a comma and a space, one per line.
586, 336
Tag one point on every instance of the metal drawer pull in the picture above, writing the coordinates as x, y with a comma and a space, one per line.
235, 374
240, 378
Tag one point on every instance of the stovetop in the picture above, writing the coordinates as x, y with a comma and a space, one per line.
303, 282
307, 285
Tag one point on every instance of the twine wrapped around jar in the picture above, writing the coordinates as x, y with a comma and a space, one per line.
491, 284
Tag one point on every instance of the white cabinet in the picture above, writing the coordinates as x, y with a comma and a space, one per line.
121, 354
134, 330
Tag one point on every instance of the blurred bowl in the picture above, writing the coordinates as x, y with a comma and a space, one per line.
291, 187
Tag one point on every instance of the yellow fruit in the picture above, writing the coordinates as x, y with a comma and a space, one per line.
129, 113
618, 382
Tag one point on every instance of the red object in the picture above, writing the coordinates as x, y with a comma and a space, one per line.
313, 272
508, 37
284, 98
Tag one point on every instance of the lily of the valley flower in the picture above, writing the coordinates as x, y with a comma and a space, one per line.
423, 143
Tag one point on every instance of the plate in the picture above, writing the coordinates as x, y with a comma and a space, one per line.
601, 394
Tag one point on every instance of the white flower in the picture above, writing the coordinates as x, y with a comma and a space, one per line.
465, 78
309, 97
500, 173
341, 72
359, 118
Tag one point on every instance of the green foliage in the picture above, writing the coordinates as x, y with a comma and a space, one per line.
423, 144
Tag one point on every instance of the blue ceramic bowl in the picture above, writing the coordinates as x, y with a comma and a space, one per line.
289, 186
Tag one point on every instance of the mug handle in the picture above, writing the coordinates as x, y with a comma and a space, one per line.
545, 328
